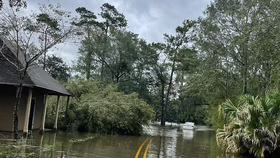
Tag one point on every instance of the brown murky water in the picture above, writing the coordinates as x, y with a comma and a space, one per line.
168, 142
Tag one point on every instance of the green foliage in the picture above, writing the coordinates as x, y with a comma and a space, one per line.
46, 19
51, 111
86, 17
194, 109
56, 67
216, 120
237, 45
174, 46
252, 125
102, 45
201, 115
96, 108
113, 19
113, 55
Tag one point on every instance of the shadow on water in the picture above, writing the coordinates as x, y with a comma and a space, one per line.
168, 142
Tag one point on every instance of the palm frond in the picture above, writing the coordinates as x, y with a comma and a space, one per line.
253, 124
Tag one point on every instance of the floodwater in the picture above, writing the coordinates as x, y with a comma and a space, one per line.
167, 142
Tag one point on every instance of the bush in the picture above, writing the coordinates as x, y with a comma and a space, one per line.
102, 109
252, 126
51, 112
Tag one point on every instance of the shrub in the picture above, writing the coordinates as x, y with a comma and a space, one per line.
252, 126
96, 108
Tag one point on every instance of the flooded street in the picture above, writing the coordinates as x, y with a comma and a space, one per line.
167, 142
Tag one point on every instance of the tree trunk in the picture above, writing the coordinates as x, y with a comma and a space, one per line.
88, 57
104, 52
169, 87
18, 98
245, 91
67, 113
162, 121
88, 65
45, 53
19, 89
245, 80
227, 79
15, 114
181, 100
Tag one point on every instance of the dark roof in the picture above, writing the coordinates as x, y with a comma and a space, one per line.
36, 76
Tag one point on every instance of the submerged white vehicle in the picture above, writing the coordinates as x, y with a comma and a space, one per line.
189, 126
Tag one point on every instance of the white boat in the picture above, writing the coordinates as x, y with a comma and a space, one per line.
189, 126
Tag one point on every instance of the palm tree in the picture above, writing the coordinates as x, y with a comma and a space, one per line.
252, 126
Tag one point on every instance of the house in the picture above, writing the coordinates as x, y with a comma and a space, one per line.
37, 86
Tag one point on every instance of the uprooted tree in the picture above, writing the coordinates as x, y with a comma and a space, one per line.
28, 34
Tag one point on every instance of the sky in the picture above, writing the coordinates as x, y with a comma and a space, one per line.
148, 18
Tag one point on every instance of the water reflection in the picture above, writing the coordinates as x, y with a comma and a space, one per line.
168, 142
188, 134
